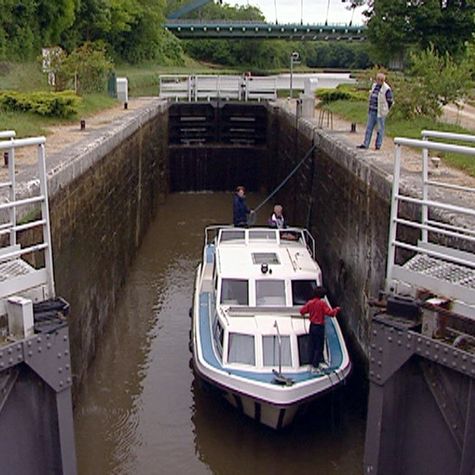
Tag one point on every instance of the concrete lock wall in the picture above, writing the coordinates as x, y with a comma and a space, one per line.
102, 201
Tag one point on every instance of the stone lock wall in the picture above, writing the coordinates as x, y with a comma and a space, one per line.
99, 214
345, 204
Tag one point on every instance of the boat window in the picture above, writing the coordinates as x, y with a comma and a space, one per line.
265, 258
232, 235
218, 333
270, 292
304, 349
302, 290
241, 349
266, 235
270, 346
234, 292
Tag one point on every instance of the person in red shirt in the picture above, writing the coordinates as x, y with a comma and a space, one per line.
317, 308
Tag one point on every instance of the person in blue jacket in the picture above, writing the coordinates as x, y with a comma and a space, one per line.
240, 209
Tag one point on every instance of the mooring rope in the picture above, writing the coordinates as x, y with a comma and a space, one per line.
286, 179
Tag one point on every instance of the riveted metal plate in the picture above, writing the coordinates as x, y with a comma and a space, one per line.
48, 355
390, 348
444, 354
11, 355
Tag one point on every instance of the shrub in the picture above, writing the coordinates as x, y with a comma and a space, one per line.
52, 104
342, 92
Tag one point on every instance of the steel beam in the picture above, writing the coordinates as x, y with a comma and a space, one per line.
421, 412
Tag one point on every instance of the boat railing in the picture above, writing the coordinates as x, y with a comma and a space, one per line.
310, 241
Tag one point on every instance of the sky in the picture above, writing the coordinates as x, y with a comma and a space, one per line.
314, 11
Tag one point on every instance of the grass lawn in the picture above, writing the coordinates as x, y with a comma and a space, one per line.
395, 127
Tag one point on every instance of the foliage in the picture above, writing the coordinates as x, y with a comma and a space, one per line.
130, 29
416, 24
337, 55
61, 104
342, 92
86, 68
431, 82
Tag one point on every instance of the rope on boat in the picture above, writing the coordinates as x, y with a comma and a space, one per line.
286, 179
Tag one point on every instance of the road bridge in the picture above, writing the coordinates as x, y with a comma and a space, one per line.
225, 29
221, 29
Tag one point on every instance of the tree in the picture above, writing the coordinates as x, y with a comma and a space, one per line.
415, 24
432, 81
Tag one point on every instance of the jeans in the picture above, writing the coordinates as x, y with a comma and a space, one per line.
374, 120
317, 340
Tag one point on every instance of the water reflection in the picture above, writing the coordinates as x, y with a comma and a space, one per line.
141, 410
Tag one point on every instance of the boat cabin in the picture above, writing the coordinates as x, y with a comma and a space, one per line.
260, 279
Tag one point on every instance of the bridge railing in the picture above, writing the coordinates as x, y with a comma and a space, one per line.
208, 87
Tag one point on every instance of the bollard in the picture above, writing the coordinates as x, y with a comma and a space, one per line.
83, 124
353, 128
5, 159
126, 105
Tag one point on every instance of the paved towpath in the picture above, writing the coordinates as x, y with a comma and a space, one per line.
60, 138
383, 159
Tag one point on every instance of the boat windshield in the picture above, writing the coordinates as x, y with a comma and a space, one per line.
241, 349
232, 235
270, 292
302, 291
270, 347
234, 292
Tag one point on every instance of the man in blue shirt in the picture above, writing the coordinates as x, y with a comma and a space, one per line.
380, 101
240, 209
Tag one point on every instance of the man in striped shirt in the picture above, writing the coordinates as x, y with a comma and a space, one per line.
380, 101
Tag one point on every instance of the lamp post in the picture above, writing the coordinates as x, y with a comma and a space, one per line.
294, 59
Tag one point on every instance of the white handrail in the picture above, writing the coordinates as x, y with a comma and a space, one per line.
17, 143
7, 134
440, 147
10, 206
435, 134
208, 86
459, 243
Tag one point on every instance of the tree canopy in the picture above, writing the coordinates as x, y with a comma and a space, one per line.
411, 25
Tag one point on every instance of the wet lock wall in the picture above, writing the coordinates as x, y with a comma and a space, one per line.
345, 204
98, 222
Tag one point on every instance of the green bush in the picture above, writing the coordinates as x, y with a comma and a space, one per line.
52, 104
341, 93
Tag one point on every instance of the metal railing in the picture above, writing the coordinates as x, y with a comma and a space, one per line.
456, 230
9, 213
209, 87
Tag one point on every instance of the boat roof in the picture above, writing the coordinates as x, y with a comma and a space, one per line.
241, 255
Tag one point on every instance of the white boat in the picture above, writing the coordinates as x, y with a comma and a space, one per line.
248, 337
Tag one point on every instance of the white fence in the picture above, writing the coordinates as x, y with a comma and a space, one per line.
446, 269
208, 87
